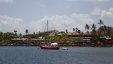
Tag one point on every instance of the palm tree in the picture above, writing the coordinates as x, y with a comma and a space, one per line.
79, 31
15, 32
93, 29
34, 33
87, 27
100, 22
101, 29
66, 30
93, 26
74, 29
26, 31
20, 35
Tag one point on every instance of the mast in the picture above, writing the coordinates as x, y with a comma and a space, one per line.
47, 31
47, 26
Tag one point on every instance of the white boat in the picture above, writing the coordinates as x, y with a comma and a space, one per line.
65, 48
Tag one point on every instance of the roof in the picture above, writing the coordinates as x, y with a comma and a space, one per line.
73, 33
110, 42
87, 33
19, 39
76, 33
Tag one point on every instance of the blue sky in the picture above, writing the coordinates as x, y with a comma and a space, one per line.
61, 14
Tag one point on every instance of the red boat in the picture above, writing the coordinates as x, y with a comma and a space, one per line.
49, 45
53, 46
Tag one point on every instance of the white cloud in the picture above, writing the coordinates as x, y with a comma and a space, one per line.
55, 22
10, 24
71, 21
89, 0
63, 22
105, 14
6, 1
96, 11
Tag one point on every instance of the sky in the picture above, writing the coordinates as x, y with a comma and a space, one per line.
61, 14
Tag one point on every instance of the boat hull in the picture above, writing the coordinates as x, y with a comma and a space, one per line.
49, 47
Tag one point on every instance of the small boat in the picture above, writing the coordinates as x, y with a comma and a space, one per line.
65, 48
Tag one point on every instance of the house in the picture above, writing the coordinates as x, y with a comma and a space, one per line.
84, 38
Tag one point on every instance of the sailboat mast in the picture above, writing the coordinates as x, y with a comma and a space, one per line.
47, 32
47, 25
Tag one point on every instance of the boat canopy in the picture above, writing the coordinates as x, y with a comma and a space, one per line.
54, 43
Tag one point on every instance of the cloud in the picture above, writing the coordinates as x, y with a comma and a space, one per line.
6, 1
9, 24
89, 0
71, 21
63, 22
96, 11
58, 22
105, 14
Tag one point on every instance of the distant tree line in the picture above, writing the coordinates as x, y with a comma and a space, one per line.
102, 31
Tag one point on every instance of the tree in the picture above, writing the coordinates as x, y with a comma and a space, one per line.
20, 35
109, 31
73, 29
76, 29
87, 27
101, 28
26, 31
100, 22
1, 36
93, 29
93, 26
105, 31
34, 33
8, 36
15, 32
79, 31
66, 30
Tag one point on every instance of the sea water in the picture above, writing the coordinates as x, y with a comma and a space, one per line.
74, 55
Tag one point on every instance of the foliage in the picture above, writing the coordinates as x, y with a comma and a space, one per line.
26, 31
6, 37
62, 37
101, 22
105, 31
87, 27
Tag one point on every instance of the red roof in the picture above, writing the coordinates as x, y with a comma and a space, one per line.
73, 33
76, 33
87, 33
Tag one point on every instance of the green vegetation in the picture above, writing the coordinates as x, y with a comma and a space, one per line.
62, 37
6, 37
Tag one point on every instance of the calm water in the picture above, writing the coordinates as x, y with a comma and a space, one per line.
75, 55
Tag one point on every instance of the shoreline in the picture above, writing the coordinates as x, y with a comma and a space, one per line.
59, 46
